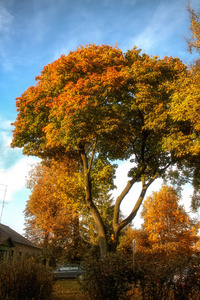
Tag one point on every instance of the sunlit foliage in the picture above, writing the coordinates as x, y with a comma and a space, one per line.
96, 105
166, 222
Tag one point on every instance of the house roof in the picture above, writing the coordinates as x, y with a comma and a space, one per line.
4, 240
6, 233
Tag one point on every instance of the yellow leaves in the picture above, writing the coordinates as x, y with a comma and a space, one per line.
194, 41
93, 92
132, 104
184, 107
152, 85
165, 221
184, 111
57, 192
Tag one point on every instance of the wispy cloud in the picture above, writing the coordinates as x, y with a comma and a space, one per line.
160, 28
14, 167
15, 177
6, 21
5, 18
8, 156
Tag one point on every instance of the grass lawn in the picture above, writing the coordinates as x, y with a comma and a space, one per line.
67, 289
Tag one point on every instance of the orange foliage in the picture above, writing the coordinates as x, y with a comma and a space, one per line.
166, 222
53, 190
98, 103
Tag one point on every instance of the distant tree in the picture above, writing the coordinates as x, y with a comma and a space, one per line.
166, 222
97, 105
52, 219
194, 41
62, 242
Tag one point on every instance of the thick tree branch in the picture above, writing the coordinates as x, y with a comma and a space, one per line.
133, 213
119, 199
117, 227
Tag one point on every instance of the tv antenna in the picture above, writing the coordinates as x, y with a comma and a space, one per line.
3, 189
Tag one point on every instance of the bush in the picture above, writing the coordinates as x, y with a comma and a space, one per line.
25, 280
153, 279
107, 278
186, 283
155, 271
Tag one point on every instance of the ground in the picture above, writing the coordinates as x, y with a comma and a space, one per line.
67, 290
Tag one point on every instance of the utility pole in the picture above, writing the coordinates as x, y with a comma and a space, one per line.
3, 188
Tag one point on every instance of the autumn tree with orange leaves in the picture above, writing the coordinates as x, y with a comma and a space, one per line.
97, 105
52, 217
166, 222
55, 216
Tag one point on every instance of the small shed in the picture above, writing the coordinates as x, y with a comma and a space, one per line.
14, 244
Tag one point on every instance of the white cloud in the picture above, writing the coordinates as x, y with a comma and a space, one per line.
6, 131
14, 167
15, 177
5, 124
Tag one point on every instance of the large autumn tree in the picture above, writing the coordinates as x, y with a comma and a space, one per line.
97, 105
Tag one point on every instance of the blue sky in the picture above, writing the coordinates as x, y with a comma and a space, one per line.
34, 33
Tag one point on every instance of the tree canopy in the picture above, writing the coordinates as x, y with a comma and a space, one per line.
97, 105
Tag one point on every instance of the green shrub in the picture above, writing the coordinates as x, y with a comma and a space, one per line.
25, 280
107, 278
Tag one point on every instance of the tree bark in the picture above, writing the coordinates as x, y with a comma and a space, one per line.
91, 206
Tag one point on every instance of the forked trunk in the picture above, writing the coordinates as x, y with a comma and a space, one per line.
91, 206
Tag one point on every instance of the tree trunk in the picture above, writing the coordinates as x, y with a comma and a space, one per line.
101, 231
91, 206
